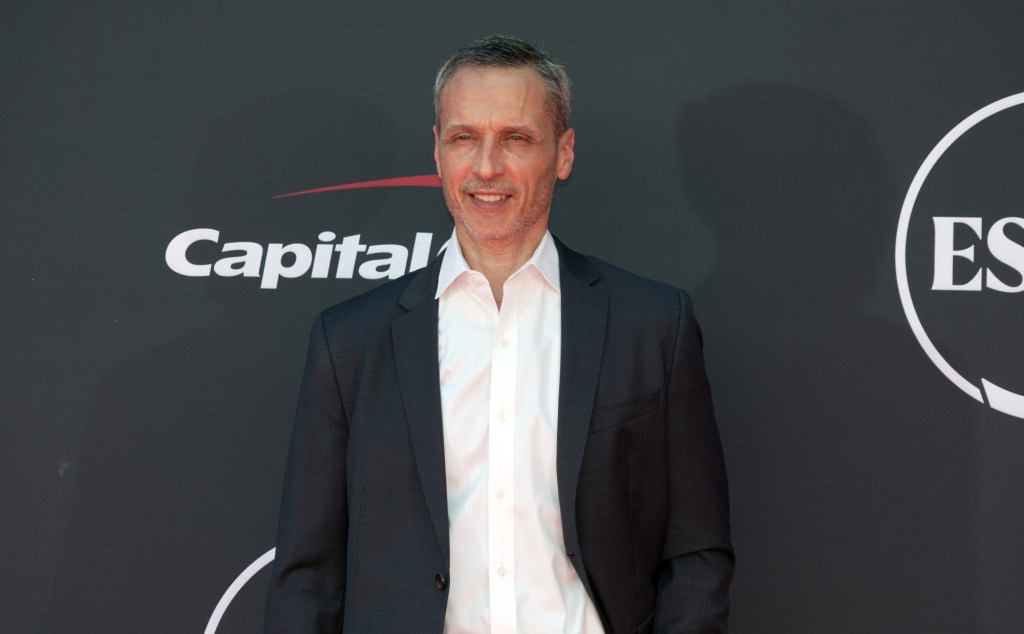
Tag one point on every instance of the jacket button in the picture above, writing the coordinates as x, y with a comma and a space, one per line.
441, 581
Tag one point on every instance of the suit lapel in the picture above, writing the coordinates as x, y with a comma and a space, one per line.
584, 320
414, 336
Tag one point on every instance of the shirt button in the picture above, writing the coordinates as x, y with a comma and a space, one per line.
502, 416
501, 494
505, 342
501, 571
441, 581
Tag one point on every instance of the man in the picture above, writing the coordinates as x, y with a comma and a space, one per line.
517, 438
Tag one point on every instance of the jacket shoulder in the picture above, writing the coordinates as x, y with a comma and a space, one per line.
364, 315
624, 286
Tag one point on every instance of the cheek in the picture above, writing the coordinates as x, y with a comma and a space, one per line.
454, 158
451, 196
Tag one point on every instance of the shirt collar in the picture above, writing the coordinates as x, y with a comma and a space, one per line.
454, 265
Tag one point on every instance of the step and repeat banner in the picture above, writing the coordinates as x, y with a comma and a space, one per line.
838, 185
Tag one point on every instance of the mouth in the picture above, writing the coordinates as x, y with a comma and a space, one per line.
490, 198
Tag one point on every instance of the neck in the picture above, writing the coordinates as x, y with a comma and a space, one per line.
497, 262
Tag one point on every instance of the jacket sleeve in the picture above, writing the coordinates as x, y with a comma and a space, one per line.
307, 590
697, 559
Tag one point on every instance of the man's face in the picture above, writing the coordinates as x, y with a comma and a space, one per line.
498, 156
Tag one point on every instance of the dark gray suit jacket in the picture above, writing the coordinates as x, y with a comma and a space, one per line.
363, 536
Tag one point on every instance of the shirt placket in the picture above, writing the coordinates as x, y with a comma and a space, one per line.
501, 451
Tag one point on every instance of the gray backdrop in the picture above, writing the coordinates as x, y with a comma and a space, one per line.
758, 154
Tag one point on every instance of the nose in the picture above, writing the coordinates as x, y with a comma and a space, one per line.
488, 162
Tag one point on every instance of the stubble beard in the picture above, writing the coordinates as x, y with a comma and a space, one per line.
535, 210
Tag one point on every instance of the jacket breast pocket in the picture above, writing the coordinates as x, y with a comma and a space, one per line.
625, 412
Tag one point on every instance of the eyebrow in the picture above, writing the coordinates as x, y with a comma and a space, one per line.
525, 128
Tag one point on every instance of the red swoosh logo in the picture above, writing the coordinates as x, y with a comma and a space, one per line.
428, 180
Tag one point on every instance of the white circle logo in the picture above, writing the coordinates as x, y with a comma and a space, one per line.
976, 257
235, 587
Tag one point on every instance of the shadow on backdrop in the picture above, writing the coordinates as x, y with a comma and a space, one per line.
851, 481
182, 453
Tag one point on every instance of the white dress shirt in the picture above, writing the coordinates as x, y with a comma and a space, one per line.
499, 372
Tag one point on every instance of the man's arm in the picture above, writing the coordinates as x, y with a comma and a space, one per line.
693, 590
307, 591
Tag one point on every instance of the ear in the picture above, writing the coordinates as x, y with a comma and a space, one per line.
437, 149
566, 155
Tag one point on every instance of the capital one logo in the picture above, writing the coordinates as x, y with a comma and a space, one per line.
331, 257
960, 255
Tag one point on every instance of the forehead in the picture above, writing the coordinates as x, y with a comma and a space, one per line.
480, 94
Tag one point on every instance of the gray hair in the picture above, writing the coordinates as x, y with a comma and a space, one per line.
502, 50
